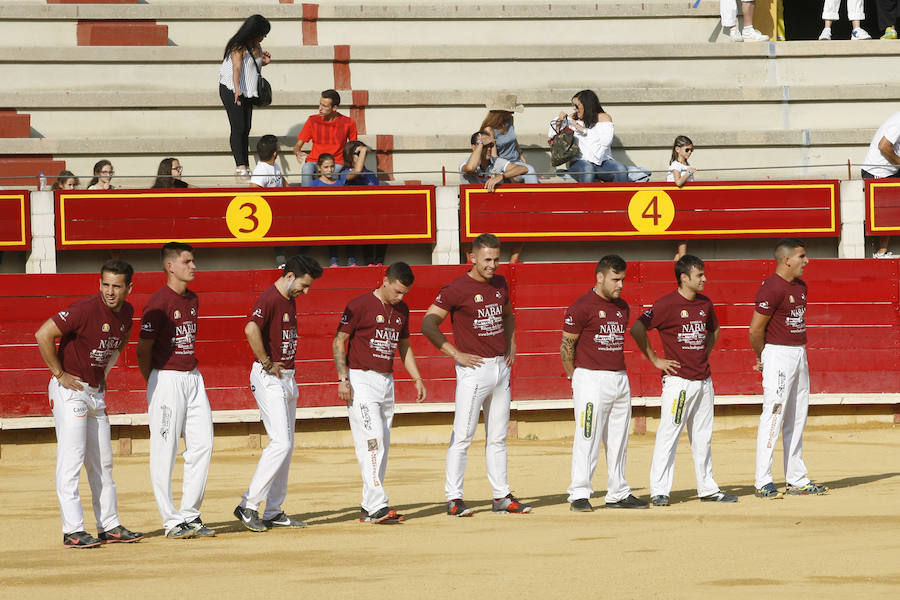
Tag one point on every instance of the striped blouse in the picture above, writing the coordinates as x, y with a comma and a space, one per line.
249, 75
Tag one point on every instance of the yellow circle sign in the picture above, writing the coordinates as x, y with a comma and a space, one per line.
651, 211
248, 217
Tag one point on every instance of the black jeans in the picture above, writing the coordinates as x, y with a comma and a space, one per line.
887, 13
239, 117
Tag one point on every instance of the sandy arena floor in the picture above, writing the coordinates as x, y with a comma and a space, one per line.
843, 545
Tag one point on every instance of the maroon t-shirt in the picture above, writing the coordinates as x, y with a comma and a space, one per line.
601, 324
91, 333
374, 328
476, 309
683, 326
171, 319
786, 304
277, 320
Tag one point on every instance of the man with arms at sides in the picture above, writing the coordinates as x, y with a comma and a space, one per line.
593, 355
376, 325
484, 332
272, 334
688, 329
778, 337
92, 333
176, 396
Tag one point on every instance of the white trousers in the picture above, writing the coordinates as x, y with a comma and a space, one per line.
602, 402
785, 406
178, 407
276, 398
371, 416
685, 403
728, 12
855, 10
82, 438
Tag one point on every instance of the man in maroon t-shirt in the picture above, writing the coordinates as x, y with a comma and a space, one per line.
176, 396
484, 350
271, 331
593, 355
376, 326
778, 337
329, 131
92, 333
688, 328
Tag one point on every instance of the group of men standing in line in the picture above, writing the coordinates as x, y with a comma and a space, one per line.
373, 328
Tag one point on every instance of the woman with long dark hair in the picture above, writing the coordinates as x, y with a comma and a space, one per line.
103, 173
238, 84
594, 132
168, 175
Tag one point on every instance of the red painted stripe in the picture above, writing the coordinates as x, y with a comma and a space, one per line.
122, 33
358, 109
342, 67
14, 124
384, 148
309, 25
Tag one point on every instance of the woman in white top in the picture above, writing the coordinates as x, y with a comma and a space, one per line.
680, 172
238, 81
103, 173
594, 132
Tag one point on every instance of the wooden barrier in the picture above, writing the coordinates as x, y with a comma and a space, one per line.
15, 220
882, 206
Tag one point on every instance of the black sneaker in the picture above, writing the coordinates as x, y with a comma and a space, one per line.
719, 496
120, 534
581, 505
282, 521
629, 502
458, 508
182, 531
80, 539
201, 530
249, 519
385, 516
659, 500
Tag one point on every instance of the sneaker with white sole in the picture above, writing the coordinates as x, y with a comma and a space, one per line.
810, 489
860, 34
509, 504
120, 534
384, 516
889, 34
249, 518
768, 491
826, 34
282, 521
885, 254
201, 530
719, 496
735, 34
753, 35
182, 531
458, 508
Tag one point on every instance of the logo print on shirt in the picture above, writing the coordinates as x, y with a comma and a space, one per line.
177, 314
379, 319
684, 314
570, 320
803, 296
285, 318
702, 313
193, 312
602, 314
499, 295
619, 313
479, 298
146, 326
764, 305
257, 313
791, 298
105, 328
63, 315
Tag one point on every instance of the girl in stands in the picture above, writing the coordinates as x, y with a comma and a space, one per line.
356, 173
238, 80
66, 180
169, 174
500, 118
680, 172
103, 173
328, 178
594, 132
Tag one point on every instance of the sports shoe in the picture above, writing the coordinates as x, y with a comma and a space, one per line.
659, 500
753, 35
826, 34
182, 531
249, 519
80, 539
735, 34
581, 505
768, 491
120, 534
719, 496
889, 34
885, 254
201, 530
282, 521
860, 34
384, 515
509, 504
629, 502
458, 508
810, 489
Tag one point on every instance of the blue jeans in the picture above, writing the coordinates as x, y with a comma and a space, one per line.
309, 169
531, 176
587, 172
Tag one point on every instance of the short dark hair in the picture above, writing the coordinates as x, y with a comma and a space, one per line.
785, 246
611, 262
323, 157
333, 96
118, 267
303, 265
400, 271
485, 240
173, 249
685, 264
266, 147
474, 139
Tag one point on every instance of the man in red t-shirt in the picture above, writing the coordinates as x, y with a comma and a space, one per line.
778, 337
484, 350
329, 131
92, 333
376, 326
176, 396
688, 329
593, 355
271, 331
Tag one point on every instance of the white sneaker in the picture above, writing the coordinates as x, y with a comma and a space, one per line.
753, 35
826, 34
735, 35
886, 254
859, 34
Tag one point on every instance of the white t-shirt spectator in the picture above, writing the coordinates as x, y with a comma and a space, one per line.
594, 143
497, 167
681, 168
266, 175
875, 162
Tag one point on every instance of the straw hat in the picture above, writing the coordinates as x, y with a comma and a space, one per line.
504, 102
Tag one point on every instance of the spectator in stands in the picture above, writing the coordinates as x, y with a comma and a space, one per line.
168, 175
887, 18
328, 130
855, 14
238, 80
356, 173
328, 178
594, 131
66, 180
728, 12
500, 119
484, 166
267, 173
680, 172
883, 160
103, 174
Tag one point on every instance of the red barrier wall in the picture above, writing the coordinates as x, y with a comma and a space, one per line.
853, 324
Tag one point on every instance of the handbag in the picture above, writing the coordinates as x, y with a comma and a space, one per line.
263, 89
563, 146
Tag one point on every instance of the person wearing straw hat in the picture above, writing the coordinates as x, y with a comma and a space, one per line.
500, 119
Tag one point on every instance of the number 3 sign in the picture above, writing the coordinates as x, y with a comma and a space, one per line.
248, 217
